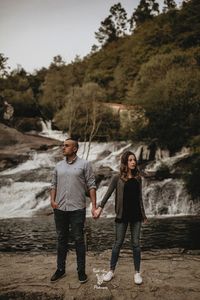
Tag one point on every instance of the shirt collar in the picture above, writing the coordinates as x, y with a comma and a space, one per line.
72, 161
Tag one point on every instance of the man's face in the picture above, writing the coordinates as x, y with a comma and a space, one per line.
69, 148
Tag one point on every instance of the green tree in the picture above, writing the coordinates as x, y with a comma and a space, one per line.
94, 49
77, 69
17, 91
119, 17
145, 11
36, 81
57, 62
172, 108
21, 97
84, 114
53, 90
107, 31
3, 66
167, 88
168, 5
156, 70
57, 84
80, 105
114, 26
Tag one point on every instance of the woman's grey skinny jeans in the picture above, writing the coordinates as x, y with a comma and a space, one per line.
120, 232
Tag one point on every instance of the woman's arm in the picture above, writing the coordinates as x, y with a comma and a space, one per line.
108, 193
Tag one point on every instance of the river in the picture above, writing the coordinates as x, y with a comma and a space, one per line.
38, 234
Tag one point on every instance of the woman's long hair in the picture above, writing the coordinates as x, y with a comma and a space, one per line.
124, 166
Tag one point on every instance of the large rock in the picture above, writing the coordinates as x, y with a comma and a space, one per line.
15, 146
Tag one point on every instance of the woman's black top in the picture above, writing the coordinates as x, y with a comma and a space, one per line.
131, 203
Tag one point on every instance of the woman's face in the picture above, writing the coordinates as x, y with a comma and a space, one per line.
131, 162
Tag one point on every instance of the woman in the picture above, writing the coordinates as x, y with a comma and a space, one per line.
129, 210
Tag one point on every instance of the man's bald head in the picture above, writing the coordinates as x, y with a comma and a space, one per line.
74, 142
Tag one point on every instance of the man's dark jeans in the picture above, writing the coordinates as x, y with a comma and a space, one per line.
74, 220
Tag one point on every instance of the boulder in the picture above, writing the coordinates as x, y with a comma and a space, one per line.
15, 146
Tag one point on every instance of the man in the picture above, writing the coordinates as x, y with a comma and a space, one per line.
72, 179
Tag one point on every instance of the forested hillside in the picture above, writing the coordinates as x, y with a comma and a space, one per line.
151, 60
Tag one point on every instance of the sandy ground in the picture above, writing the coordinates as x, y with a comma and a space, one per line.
167, 274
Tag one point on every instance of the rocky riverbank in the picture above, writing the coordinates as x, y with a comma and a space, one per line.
167, 274
15, 146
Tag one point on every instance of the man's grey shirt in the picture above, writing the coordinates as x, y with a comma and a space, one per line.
72, 182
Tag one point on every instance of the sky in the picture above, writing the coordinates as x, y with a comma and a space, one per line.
32, 32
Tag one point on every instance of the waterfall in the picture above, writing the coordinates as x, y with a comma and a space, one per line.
47, 131
167, 197
162, 157
24, 190
36, 161
21, 199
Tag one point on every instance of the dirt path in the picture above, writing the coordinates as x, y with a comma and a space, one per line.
167, 275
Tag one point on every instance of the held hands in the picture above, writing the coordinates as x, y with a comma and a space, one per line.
96, 212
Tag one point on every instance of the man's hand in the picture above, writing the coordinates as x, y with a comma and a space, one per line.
54, 204
97, 212
92, 193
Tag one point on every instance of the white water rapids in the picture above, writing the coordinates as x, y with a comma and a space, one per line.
24, 189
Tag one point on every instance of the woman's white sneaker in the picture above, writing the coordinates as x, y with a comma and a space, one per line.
108, 276
137, 278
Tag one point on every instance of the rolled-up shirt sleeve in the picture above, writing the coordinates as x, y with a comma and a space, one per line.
54, 180
89, 177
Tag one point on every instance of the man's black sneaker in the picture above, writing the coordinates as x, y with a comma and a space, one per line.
58, 274
82, 277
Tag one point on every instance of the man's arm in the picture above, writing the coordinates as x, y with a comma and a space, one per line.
53, 190
91, 186
53, 198
92, 193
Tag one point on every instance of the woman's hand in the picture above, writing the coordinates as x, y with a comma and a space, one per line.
97, 212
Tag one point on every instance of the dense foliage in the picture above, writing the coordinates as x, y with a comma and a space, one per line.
151, 60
